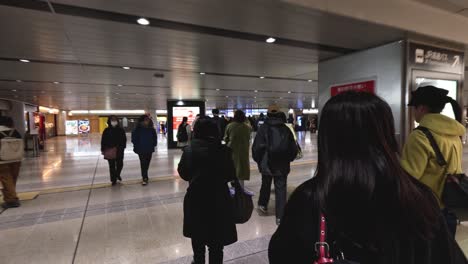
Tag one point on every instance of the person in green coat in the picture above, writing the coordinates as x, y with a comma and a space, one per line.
237, 137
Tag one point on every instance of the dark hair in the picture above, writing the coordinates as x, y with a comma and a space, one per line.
215, 111
110, 119
435, 99
142, 118
206, 129
239, 116
6, 121
360, 183
184, 119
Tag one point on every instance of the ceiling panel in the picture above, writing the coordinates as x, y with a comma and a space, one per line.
85, 54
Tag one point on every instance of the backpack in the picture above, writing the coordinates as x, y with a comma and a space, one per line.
11, 148
182, 135
279, 140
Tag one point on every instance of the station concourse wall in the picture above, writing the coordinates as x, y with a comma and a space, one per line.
384, 64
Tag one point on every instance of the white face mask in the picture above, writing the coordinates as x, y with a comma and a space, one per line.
114, 123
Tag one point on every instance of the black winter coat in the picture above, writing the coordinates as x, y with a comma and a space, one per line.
114, 137
260, 147
295, 238
208, 208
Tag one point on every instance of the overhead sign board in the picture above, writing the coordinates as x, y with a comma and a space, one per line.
436, 59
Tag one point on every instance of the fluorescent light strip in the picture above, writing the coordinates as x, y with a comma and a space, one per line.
121, 112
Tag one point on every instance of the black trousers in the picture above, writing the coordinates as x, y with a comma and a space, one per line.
199, 250
145, 161
280, 192
115, 168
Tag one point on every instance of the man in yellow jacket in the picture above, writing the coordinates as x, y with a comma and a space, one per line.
418, 156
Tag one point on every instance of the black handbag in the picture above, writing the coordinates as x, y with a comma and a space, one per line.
243, 204
455, 194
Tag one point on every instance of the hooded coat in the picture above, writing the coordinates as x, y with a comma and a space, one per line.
418, 156
114, 137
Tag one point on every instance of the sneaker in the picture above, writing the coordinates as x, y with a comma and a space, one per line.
144, 182
114, 183
263, 209
11, 205
278, 221
119, 178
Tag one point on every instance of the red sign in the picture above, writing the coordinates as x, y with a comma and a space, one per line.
367, 86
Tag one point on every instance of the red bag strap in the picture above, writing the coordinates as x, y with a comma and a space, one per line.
322, 248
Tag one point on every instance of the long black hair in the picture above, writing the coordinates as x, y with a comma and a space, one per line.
360, 183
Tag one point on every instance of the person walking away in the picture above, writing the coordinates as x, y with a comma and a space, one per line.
220, 121
418, 156
237, 137
11, 155
114, 137
372, 211
144, 139
184, 133
274, 149
208, 207
260, 120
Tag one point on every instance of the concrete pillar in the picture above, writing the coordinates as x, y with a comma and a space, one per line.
17, 113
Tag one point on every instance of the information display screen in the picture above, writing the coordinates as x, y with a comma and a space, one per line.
71, 127
179, 112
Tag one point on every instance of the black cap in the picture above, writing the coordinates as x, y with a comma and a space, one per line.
428, 95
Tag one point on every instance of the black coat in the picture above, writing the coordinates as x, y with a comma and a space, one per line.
208, 208
262, 141
114, 137
295, 238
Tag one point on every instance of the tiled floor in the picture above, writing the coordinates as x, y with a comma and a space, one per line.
127, 223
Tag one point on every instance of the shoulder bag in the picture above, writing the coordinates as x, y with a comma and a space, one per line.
322, 248
110, 153
243, 204
455, 194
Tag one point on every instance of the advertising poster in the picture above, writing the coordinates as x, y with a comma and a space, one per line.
71, 127
180, 112
365, 86
83, 126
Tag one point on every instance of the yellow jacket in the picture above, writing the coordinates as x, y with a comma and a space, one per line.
418, 157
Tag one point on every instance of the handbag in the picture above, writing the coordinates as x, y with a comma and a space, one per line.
110, 153
243, 204
455, 194
322, 248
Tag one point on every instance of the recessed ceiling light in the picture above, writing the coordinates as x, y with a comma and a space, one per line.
309, 80
18, 81
217, 89
227, 96
24, 60
289, 92
281, 98
13, 90
56, 82
126, 68
202, 73
270, 40
256, 91
262, 77
117, 93
119, 85
143, 21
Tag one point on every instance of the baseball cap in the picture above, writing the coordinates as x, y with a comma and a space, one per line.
428, 95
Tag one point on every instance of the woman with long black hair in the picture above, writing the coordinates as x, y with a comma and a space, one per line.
374, 211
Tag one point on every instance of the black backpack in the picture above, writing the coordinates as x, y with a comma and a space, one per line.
182, 135
281, 144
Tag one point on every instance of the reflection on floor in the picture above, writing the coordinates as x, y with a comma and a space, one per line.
69, 222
